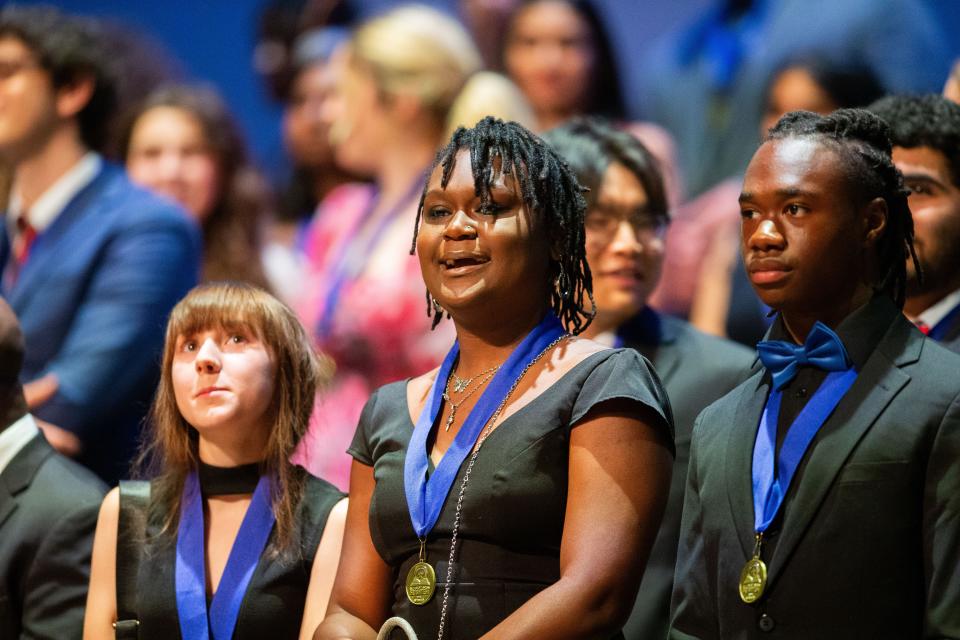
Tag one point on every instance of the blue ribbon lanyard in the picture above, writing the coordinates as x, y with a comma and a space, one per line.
425, 497
351, 259
939, 331
190, 576
768, 489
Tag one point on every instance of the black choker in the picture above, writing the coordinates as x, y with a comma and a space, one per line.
219, 481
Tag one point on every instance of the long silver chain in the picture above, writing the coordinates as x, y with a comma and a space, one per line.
487, 430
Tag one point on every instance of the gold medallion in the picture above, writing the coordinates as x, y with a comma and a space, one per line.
753, 579
421, 583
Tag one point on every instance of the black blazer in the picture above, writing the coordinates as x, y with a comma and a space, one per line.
870, 542
48, 514
695, 369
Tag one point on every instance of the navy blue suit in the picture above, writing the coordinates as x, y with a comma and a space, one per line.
93, 300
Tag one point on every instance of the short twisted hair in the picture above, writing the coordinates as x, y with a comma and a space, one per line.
549, 190
924, 121
863, 141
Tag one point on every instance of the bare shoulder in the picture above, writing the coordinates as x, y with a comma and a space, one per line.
110, 507
572, 351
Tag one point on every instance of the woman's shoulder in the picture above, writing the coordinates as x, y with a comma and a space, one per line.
319, 499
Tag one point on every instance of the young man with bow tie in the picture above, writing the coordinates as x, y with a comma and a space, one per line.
823, 494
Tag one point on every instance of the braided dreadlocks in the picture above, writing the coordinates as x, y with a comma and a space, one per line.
863, 141
549, 190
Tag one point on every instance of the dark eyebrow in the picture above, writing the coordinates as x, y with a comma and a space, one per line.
793, 193
745, 196
924, 178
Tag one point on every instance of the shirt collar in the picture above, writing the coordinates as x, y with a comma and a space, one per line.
860, 332
57, 196
15, 437
934, 314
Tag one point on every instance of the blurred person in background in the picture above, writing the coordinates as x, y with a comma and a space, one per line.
626, 220
705, 81
560, 55
91, 263
704, 277
363, 298
488, 93
925, 131
48, 507
181, 142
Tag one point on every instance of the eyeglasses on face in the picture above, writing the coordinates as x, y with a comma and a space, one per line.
602, 224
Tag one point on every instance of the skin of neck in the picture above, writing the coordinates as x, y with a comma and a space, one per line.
38, 171
487, 342
413, 149
915, 305
798, 322
233, 448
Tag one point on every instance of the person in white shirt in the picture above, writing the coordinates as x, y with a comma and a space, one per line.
48, 512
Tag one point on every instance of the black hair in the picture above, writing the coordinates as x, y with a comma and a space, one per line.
550, 192
589, 145
924, 121
847, 82
70, 49
606, 95
863, 141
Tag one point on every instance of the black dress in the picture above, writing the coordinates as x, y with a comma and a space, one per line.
508, 545
273, 604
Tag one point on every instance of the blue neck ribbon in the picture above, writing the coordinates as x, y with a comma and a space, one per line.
425, 497
190, 578
939, 331
769, 489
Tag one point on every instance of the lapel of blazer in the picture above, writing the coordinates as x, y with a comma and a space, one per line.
876, 385
19, 474
51, 248
738, 458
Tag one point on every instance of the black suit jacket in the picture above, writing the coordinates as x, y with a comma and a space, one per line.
870, 542
695, 369
48, 514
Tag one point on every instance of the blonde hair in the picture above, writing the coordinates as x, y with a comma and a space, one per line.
488, 93
169, 452
416, 50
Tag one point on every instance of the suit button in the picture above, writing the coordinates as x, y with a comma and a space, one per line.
766, 623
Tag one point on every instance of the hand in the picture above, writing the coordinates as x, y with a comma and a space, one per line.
60, 439
39, 391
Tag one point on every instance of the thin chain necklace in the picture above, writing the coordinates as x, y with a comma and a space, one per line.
487, 375
459, 384
487, 430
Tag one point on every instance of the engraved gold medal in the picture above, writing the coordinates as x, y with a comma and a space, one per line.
421, 579
421, 583
753, 579
753, 576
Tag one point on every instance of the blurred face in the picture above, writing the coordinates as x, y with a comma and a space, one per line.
474, 258
803, 240
550, 55
305, 131
794, 89
935, 205
624, 246
169, 154
358, 119
224, 379
28, 108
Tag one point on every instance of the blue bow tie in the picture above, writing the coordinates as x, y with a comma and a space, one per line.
822, 349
